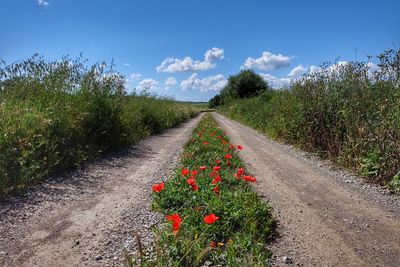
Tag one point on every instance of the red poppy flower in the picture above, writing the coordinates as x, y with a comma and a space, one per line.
194, 173
191, 181
249, 178
210, 219
218, 161
216, 168
228, 156
184, 172
228, 163
239, 173
158, 187
216, 190
239, 147
216, 180
205, 143
195, 187
213, 174
231, 146
213, 244
176, 222
202, 168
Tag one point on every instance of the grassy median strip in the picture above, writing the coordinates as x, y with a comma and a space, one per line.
211, 214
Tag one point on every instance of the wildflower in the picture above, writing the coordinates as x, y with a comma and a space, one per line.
239, 147
158, 187
191, 181
213, 244
239, 173
216, 190
228, 156
232, 146
218, 161
202, 168
249, 178
213, 174
210, 219
176, 222
216, 180
195, 187
205, 143
194, 173
184, 172
216, 168
228, 163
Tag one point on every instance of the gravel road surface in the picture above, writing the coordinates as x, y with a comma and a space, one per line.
87, 217
326, 218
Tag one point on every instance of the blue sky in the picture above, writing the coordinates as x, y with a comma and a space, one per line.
187, 49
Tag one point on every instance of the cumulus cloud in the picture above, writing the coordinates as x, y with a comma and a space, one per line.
43, 2
276, 82
314, 69
170, 81
214, 54
297, 72
210, 83
133, 77
267, 61
127, 64
173, 65
147, 85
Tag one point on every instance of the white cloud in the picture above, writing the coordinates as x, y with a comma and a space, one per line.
297, 72
173, 65
170, 81
315, 69
275, 82
210, 83
127, 64
43, 2
267, 61
133, 77
214, 54
147, 85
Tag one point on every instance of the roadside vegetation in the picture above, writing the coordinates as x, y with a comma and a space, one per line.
212, 217
57, 115
345, 112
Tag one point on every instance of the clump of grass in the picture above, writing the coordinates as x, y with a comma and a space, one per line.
238, 237
347, 113
56, 115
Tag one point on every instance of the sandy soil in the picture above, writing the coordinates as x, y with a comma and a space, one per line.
326, 218
87, 217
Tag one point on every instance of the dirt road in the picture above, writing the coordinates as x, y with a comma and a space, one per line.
86, 219
327, 219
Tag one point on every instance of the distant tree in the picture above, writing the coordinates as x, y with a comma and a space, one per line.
245, 84
215, 101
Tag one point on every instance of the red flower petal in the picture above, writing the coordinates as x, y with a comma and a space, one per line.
194, 173
210, 219
218, 161
216, 168
228, 156
195, 187
216, 189
239, 147
191, 181
184, 172
202, 168
216, 180
176, 222
249, 178
158, 187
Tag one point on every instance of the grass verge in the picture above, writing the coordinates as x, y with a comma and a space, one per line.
212, 215
55, 116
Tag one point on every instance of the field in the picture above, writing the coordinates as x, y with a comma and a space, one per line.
57, 115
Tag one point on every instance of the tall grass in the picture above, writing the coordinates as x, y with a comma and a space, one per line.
347, 113
57, 115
